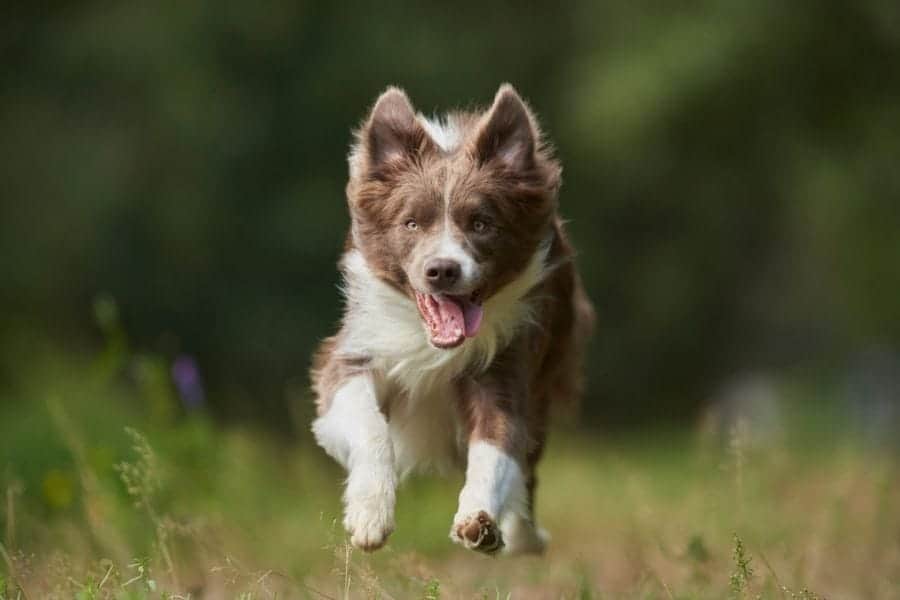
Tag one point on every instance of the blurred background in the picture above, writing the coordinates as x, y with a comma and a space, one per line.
172, 205
731, 179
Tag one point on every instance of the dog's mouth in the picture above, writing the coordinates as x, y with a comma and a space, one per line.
451, 319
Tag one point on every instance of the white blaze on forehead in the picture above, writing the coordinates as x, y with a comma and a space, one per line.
443, 131
449, 246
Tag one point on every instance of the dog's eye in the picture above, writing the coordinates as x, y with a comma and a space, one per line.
479, 226
412, 225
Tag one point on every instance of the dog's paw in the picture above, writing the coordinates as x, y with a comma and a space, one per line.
477, 532
369, 522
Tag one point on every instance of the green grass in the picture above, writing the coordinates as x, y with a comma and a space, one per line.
109, 492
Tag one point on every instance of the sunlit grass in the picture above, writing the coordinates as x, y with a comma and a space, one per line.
177, 507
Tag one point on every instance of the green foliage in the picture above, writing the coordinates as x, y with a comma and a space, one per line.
432, 590
141, 579
697, 550
141, 477
730, 178
804, 594
585, 589
266, 523
157, 507
742, 575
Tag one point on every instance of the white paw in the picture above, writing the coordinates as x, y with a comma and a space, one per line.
369, 520
369, 524
477, 531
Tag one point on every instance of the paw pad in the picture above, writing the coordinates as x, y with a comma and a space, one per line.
478, 532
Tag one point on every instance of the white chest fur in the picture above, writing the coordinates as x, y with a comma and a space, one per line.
415, 380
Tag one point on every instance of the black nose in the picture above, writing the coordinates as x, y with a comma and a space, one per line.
442, 273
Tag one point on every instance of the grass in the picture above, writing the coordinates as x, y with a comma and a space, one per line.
108, 495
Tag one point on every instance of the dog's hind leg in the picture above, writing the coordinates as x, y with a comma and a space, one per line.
354, 432
522, 536
520, 533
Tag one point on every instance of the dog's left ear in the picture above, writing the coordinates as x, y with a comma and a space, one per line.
507, 135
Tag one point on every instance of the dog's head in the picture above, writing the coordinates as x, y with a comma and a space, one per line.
450, 211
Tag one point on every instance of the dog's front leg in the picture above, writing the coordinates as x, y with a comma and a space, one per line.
354, 432
495, 484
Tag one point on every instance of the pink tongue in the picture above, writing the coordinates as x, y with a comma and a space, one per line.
457, 317
472, 313
450, 323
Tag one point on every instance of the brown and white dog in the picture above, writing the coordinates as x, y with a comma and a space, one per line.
464, 318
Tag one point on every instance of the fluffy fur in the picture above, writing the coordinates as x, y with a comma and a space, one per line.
476, 191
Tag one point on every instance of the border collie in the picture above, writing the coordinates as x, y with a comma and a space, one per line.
464, 318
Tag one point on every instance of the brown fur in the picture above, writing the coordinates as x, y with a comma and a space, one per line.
503, 174
517, 201
510, 403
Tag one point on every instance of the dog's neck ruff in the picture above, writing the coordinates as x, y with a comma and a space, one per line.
383, 326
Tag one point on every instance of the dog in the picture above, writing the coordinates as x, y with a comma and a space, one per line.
464, 318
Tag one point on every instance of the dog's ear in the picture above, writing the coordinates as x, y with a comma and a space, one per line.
507, 133
392, 133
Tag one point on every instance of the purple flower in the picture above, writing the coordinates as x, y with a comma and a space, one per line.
186, 377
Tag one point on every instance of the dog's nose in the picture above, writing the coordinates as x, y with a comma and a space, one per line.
442, 273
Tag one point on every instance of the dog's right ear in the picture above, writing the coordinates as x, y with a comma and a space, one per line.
390, 136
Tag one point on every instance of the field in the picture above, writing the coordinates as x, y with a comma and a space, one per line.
174, 204
114, 490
